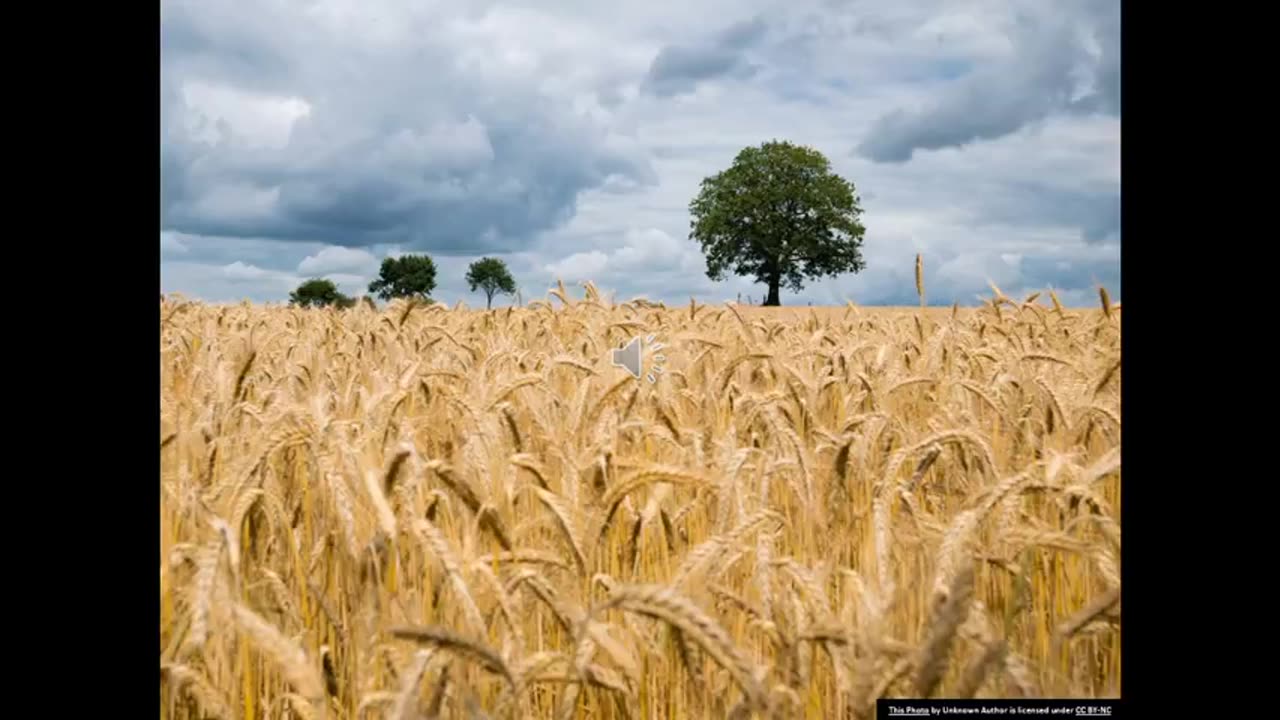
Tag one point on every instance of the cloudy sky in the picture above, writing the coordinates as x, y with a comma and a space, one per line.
313, 138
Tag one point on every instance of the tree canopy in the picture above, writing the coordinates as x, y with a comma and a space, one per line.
319, 292
408, 276
492, 276
780, 215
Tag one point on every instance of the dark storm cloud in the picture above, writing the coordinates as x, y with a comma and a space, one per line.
1049, 64
1049, 271
1102, 223
217, 40
396, 146
679, 68
1105, 97
1095, 211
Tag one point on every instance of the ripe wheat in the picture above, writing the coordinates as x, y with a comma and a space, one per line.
431, 512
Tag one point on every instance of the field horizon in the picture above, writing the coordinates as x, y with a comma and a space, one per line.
1042, 302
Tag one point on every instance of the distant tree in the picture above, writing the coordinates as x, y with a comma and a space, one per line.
408, 276
779, 214
491, 276
319, 292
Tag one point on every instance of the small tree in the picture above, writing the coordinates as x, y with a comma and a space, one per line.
778, 214
408, 276
319, 292
491, 276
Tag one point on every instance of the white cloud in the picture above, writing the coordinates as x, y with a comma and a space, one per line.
223, 283
579, 266
241, 271
337, 259
351, 285
218, 112
649, 261
652, 250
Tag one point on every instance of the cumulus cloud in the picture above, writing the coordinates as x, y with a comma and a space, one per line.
337, 259
653, 250
1063, 58
647, 253
679, 68
221, 113
243, 272
579, 267
360, 133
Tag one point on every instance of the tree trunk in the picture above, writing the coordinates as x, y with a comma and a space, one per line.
775, 279
488, 301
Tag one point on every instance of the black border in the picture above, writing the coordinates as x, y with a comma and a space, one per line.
1156, 570
1135, 684
86, 101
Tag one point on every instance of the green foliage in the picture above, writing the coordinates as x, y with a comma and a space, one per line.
408, 276
319, 292
780, 215
491, 276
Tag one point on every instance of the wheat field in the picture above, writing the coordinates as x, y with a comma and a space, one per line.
433, 512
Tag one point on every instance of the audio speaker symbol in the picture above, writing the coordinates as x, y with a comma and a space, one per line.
629, 358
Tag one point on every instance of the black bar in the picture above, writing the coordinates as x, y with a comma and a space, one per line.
1020, 707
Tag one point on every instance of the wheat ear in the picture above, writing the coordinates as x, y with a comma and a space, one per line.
664, 604
644, 476
949, 612
435, 540
445, 639
920, 277
975, 674
565, 521
287, 654
403, 709
211, 701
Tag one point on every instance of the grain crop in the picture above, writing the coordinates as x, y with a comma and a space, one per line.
419, 511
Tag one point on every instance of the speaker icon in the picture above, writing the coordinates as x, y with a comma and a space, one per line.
631, 358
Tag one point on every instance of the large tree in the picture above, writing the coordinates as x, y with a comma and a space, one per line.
492, 276
780, 215
319, 292
408, 276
